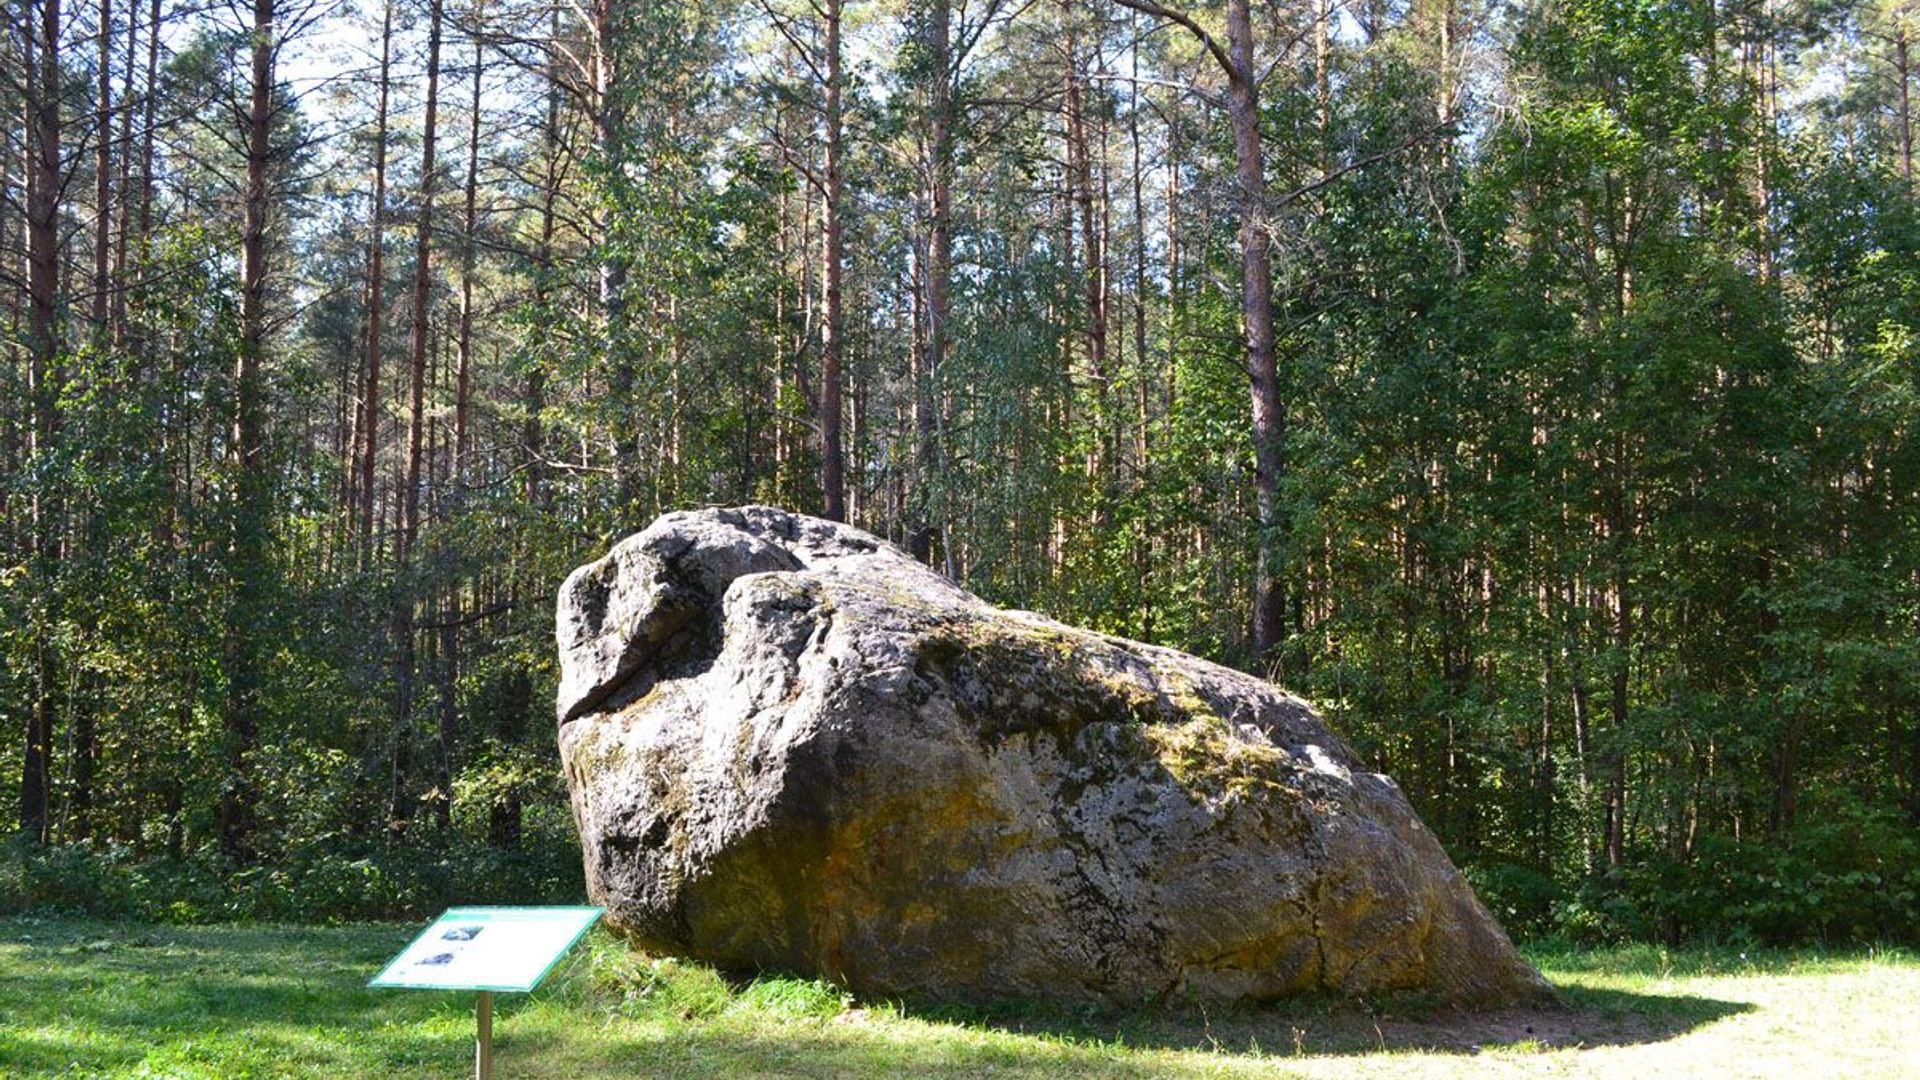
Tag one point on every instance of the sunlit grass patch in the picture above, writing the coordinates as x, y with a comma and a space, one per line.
112, 1000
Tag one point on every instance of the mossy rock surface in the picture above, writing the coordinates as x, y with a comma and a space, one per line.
792, 747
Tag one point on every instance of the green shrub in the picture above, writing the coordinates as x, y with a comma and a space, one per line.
1522, 898
315, 883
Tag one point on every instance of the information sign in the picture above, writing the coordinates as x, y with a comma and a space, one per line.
488, 948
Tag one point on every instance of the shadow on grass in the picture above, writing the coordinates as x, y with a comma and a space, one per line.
101, 999
1585, 1017
1034, 1042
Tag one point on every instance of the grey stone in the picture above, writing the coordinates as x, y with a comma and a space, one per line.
790, 746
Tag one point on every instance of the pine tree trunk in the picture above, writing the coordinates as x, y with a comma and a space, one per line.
609, 105
373, 386
1903, 73
147, 106
123, 176
1143, 561
249, 551
532, 438
832, 328
926, 525
400, 803
43, 380
103, 174
1256, 307
376, 298
1256, 310
1080, 188
463, 383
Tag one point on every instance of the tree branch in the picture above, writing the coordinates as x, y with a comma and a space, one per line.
1148, 7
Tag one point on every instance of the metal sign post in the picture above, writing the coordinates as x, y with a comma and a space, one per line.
491, 950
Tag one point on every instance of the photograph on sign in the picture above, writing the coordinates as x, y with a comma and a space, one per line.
482, 948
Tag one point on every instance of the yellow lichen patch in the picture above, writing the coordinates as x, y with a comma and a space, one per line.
1049, 665
594, 747
1205, 758
1182, 694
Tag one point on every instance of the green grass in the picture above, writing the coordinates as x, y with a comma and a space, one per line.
102, 999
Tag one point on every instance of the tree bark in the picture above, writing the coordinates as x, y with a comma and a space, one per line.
1903, 71
1242, 101
249, 549
123, 176
147, 104
399, 808
463, 384
1256, 305
608, 109
1092, 235
43, 380
103, 174
833, 487
532, 437
938, 270
376, 296
422, 290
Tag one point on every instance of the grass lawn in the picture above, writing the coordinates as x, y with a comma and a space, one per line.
102, 999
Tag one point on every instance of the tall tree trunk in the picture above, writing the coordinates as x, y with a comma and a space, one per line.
422, 292
84, 743
1766, 109
1580, 698
123, 174
1619, 528
43, 380
1176, 326
373, 385
376, 296
463, 383
1256, 308
1143, 561
148, 103
532, 438
13, 430
609, 103
103, 174
1903, 73
939, 273
1092, 235
1323, 86
608, 23
833, 486
399, 806
457, 465
249, 551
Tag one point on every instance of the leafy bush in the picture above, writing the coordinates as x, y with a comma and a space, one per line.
1845, 873
1524, 900
322, 884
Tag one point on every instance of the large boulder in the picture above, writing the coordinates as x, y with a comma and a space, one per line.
790, 746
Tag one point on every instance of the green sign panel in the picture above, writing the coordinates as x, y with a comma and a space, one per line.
488, 948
